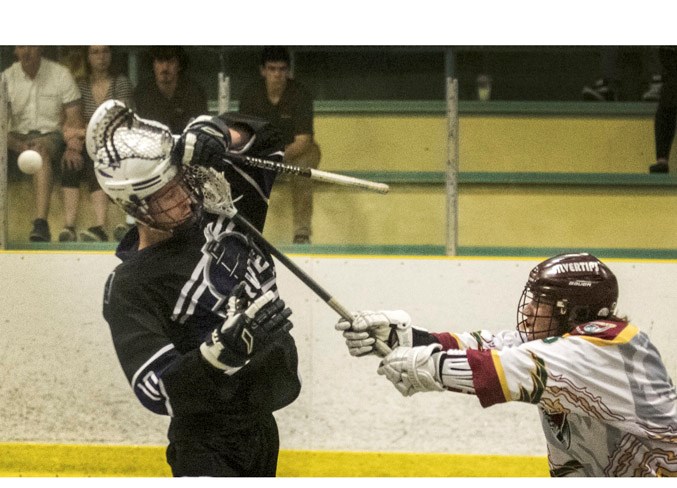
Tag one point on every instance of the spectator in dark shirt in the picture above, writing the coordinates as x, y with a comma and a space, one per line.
287, 105
171, 97
665, 120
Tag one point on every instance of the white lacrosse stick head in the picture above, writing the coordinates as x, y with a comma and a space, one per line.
216, 195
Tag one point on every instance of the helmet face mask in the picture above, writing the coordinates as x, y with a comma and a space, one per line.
133, 162
565, 291
538, 317
175, 206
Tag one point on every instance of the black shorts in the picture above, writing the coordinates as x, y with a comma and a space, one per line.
241, 449
53, 143
72, 178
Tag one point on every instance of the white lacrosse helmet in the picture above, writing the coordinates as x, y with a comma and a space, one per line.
132, 158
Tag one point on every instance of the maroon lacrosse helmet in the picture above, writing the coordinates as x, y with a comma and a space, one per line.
578, 286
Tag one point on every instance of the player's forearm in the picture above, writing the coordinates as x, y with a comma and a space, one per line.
479, 340
181, 384
195, 387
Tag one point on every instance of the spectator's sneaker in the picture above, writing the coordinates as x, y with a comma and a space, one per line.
120, 231
301, 239
654, 91
601, 92
94, 234
68, 235
40, 232
661, 167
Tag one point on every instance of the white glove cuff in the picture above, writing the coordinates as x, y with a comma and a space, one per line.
188, 148
424, 379
455, 371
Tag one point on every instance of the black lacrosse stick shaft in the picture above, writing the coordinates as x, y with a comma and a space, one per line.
307, 280
270, 165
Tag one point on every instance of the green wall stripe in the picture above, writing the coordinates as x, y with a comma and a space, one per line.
471, 251
519, 178
379, 250
474, 107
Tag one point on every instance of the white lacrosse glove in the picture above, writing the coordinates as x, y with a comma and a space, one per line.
413, 369
392, 327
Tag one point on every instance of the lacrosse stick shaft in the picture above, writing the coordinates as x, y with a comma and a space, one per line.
313, 174
380, 346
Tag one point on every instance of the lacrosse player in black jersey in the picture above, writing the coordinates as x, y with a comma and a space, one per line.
193, 309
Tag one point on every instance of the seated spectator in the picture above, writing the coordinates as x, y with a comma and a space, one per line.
44, 113
608, 86
97, 84
666, 112
286, 104
171, 96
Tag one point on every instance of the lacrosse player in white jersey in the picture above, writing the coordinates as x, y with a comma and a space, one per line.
607, 404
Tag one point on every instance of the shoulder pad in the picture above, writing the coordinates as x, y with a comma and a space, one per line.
600, 329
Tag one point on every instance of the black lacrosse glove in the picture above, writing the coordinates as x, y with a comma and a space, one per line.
248, 329
205, 141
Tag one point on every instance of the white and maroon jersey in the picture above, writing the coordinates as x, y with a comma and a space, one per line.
608, 406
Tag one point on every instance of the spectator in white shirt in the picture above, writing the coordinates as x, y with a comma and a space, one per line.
45, 113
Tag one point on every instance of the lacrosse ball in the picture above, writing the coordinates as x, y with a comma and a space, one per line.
30, 161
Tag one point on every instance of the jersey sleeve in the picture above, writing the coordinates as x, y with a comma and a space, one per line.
480, 340
580, 374
69, 90
163, 379
251, 187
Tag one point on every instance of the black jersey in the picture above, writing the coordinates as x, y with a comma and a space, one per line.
293, 114
251, 187
163, 301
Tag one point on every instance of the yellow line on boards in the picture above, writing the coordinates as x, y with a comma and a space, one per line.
70, 460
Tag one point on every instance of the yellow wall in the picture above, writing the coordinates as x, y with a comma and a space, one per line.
569, 217
487, 143
489, 215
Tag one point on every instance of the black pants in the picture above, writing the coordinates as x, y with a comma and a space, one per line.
236, 450
666, 113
